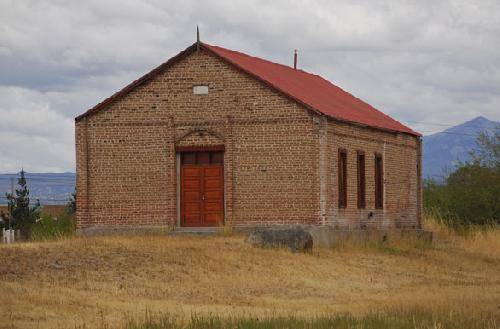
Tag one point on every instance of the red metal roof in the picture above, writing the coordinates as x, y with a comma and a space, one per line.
310, 90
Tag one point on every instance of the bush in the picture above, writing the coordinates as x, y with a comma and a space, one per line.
470, 196
48, 227
458, 204
475, 194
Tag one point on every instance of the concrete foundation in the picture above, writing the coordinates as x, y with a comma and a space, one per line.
323, 236
328, 237
140, 230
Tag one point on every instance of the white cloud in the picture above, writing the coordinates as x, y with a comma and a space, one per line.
33, 135
429, 61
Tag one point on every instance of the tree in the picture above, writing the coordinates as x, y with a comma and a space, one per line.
71, 205
23, 216
488, 152
471, 194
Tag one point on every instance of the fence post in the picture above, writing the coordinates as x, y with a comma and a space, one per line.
8, 236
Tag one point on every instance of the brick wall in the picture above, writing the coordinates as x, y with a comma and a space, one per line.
401, 178
279, 162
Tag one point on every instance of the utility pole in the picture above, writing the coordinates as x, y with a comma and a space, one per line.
10, 206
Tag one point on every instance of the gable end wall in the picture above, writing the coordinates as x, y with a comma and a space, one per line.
127, 164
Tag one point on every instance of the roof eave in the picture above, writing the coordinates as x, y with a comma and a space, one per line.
387, 130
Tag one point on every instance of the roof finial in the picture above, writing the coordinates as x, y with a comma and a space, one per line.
295, 59
197, 38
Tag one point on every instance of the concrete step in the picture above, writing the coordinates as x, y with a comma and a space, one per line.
196, 231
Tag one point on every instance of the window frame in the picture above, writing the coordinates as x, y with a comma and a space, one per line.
201, 158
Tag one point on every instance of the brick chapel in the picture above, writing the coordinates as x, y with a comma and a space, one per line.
215, 137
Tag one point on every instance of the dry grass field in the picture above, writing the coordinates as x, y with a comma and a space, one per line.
101, 281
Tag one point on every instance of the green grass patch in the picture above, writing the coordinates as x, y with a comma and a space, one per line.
403, 320
50, 228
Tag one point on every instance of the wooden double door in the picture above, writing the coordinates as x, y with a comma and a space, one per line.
202, 188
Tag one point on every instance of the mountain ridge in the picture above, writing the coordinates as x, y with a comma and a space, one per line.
49, 188
444, 150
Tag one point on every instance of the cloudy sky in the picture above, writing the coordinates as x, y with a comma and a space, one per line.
426, 63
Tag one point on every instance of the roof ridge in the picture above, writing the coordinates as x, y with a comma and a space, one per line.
263, 59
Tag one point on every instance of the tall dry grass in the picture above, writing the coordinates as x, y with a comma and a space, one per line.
480, 240
103, 281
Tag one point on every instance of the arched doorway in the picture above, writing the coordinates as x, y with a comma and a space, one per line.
201, 186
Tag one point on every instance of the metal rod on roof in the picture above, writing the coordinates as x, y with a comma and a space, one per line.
197, 38
295, 59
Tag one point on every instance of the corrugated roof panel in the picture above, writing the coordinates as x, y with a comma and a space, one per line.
312, 90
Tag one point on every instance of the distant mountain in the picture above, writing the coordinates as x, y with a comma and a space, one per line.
442, 151
49, 188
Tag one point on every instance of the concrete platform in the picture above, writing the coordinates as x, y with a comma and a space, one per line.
139, 230
323, 236
196, 231
329, 237
149, 230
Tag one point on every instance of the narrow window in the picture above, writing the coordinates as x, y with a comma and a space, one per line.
361, 180
379, 182
342, 178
